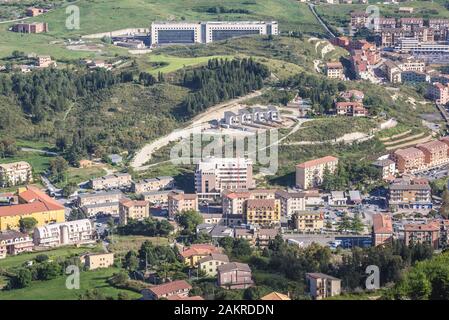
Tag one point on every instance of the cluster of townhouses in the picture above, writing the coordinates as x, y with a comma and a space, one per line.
392, 30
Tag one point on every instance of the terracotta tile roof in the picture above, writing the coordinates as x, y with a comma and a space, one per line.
234, 266
177, 297
170, 287
275, 296
200, 249
382, 224
261, 203
214, 256
334, 65
421, 227
316, 162
409, 153
131, 203
432, 146
33, 194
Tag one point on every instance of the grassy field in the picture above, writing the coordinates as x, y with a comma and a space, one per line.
56, 289
16, 261
155, 63
102, 16
38, 161
123, 244
78, 175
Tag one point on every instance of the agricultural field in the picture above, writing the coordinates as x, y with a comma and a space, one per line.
55, 289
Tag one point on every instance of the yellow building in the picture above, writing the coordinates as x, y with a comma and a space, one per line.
33, 203
100, 260
308, 221
193, 254
263, 211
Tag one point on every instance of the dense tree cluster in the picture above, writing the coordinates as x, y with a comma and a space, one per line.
148, 227
221, 80
391, 260
43, 92
319, 90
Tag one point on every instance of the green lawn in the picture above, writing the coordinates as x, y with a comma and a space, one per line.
16, 261
165, 64
103, 15
78, 175
123, 244
38, 161
56, 289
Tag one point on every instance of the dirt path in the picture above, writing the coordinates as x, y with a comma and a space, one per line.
198, 124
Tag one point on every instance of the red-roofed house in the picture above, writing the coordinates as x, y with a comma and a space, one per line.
196, 252
382, 229
178, 288
352, 109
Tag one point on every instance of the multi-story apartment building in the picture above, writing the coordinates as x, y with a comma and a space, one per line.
291, 202
393, 72
410, 194
382, 229
410, 24
154, 184
159, 197
234, 202
359, 19
440, 28
352, 109
322, 285
384, 23
100, 202
263, 212
113, 181
435, 153
387, 168
422, 233
33, 27
133, 209
234, 275
308, 221
210, 264
439, 93
33, 203
216, 174
179, 202
310, 174
164, 33
44, 61
99, 260
193, 254
335, 70
15, 173
410, 160
85, 199
13, 242
64, 233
